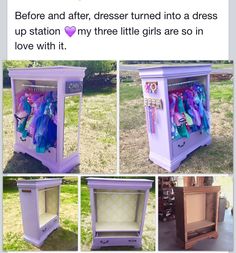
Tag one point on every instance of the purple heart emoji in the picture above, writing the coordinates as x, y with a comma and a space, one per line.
70, 30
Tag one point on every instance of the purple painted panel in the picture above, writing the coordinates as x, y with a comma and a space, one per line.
135, 242
115, 183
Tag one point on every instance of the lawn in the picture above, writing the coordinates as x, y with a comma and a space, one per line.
98, 134
148, 241
134, 147
63, 239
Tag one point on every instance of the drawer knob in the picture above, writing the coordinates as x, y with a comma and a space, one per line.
133, 240
104, 242
181, 145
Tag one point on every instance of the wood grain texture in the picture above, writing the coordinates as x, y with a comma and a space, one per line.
196, 214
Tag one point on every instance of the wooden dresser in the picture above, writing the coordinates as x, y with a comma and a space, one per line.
196, 214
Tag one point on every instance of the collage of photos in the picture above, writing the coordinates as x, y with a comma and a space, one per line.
66, 187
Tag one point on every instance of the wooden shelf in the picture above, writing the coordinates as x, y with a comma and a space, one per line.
118, 234
198, 225
116, 226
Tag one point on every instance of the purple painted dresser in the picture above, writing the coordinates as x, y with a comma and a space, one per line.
118, 208
42, 102
40, 201
176, 100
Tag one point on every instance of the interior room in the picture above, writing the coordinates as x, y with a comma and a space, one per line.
195, 213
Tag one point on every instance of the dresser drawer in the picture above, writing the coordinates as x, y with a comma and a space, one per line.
186, 144
120, 241
49, 226
45, 229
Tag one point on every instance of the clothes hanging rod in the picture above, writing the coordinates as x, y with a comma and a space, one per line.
48, 189
181, 83
39, 86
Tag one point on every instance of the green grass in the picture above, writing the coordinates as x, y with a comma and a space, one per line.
69, 193
64, 238
85, 200
72, 108
13, 242
7, 102
229, 115
129, 92
131, 101
222, 66
86, 230
222, 91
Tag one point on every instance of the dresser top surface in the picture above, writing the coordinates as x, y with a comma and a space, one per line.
51, 71
52, 68
175, 71
109, 183
39, 183
175, 66
120, 179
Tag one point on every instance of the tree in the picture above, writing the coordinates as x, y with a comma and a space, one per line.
93, 67
13, 64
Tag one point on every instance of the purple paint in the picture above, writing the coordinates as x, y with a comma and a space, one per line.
153, 120
150, 119
118, 208
40, 203
164, 151
63, 82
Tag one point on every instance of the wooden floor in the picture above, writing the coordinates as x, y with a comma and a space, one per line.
167, 237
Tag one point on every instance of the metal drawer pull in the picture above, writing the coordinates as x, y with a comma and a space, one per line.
104, 242
180, 146
44, 229
26, 191
132, 240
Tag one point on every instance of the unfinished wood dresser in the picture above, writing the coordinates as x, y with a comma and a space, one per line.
196, 214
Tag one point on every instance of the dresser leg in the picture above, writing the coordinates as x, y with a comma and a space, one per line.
138, 246
95, 247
